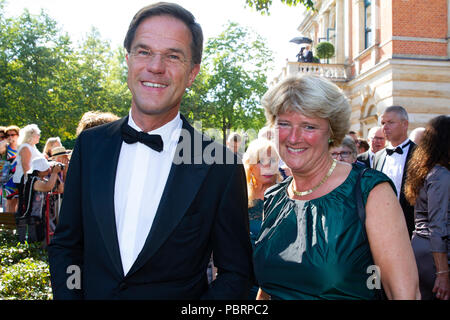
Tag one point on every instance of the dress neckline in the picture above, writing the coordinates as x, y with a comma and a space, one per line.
288, 181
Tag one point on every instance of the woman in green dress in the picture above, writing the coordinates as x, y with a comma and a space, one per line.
312, 243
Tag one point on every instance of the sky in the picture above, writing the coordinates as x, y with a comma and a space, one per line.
111, 18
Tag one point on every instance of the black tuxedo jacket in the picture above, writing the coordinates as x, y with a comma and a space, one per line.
203, 209
408, 210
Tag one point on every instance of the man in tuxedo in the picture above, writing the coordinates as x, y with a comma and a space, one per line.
393, 160
376, 141
147, 197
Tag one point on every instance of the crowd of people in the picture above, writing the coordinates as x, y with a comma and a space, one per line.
34, 180
308, 210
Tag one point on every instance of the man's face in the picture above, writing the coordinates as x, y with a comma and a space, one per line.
395, 129
378, 141
159, 66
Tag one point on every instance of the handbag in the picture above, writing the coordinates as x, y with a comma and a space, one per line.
380, 294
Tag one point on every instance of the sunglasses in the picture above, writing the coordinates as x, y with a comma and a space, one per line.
11, 135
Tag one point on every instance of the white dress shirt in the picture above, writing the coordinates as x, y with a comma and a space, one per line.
395, 164
140, 181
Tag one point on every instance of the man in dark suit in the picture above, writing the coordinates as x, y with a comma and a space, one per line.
148, 198
393, 160
307, 54
376, 141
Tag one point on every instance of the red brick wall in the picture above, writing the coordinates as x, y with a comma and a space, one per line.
420, 48
419, 18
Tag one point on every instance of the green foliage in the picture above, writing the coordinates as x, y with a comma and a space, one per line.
46, 80
263, 6
227, 91
24, 271
28, 279
325, 50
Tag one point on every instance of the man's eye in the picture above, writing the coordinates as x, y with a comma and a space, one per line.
173, 57
143, 53
283, 124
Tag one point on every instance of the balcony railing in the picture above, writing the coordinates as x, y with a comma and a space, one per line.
333, 72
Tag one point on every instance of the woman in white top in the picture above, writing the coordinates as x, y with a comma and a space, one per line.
28, 138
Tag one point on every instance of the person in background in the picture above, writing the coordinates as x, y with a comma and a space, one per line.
10, 188
393, 160
363, 146
416, 135
28, 138
312, 243
3, 141
92, 119
377, 142
49, 145
354, 136
42, 178
346, 151
234, 142
307, 54
269, 134
261, 168
61, 155
427, 187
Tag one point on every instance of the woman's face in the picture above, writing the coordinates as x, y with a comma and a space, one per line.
266, 170
343, 153
302, 140
36, 138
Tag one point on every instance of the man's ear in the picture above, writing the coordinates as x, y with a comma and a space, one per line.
193, 74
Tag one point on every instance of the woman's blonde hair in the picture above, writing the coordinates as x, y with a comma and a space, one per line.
26, 133
312, 96
256, 149
51, 142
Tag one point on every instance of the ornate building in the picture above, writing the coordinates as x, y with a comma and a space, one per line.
387, 52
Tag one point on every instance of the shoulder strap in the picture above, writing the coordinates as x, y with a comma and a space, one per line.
359, 201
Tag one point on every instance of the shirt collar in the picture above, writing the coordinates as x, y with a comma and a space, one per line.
401, 144
170, 132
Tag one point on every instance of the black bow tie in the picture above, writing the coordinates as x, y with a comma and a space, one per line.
390, 152
129, 135
399, 149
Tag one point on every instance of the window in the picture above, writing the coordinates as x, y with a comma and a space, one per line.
367, 23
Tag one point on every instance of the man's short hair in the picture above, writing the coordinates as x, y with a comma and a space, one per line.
398, 110
173, 10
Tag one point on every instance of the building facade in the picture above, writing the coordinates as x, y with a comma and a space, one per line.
387, 52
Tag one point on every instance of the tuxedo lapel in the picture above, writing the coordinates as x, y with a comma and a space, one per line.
411, 148
181, 188
104, 169
379, 160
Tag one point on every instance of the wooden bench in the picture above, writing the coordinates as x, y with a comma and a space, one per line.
7, 220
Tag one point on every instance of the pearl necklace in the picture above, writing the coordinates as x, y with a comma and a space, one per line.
304, 193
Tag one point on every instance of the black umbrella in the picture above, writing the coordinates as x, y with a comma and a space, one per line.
300, 40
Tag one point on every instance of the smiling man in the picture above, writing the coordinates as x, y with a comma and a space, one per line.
135, 224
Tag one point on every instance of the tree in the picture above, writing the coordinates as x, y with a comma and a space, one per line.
263, 6
325, 50
45, 80
227, 92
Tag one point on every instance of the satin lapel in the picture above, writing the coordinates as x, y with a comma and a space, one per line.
408, 156
381, 160
181, 188
104, 169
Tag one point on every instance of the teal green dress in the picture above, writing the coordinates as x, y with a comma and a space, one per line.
315, 249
